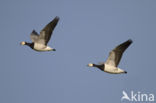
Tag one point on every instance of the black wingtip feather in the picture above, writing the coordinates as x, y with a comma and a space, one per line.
57, 18
34, 32
130, 40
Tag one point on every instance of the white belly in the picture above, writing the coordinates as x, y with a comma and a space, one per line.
41, 47
112, 69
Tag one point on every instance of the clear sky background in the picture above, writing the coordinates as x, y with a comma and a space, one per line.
86, 32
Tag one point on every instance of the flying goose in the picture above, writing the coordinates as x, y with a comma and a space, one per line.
111, 64
39, 42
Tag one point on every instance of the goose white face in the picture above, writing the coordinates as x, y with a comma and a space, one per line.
90, 65
22, 43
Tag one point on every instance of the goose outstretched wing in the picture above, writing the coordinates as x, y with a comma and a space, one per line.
34, 36
46, 32
116, 54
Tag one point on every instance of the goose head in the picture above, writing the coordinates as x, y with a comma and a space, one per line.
90, 65
23, 43
101, 66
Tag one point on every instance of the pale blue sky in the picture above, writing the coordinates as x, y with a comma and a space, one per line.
86, 32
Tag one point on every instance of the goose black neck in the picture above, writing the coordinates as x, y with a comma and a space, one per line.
31, 45
101, 66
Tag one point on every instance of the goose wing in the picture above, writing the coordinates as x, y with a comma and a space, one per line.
116, 54
46, 32
34, 36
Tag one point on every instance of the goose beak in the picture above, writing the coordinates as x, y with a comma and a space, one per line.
22, 43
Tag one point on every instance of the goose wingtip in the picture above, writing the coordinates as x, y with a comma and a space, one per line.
57, 17
130, 40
